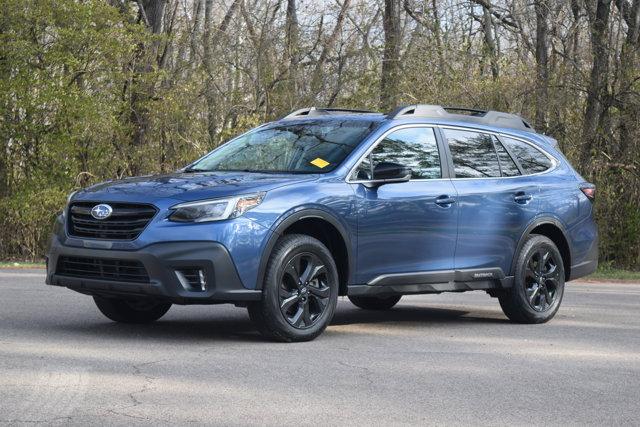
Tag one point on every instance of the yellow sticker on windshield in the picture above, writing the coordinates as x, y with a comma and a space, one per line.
321, 163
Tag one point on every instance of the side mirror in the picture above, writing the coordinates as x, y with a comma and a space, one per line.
387, 172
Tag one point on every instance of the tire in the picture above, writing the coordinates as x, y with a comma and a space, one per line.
142, 310
375, 303
300, 290
538, 285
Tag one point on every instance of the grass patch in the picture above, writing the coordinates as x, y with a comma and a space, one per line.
609, 273
15, 264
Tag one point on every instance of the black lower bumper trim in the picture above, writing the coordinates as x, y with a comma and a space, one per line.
429, 288
583, 269
161, 261
434, 282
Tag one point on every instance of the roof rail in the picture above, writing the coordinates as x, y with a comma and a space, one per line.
316, 112
472, 115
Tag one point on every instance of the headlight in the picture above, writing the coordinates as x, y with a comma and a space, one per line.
215, 210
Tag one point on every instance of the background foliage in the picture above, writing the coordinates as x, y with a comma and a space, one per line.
93, 90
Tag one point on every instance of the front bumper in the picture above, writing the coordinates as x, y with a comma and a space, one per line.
161, 260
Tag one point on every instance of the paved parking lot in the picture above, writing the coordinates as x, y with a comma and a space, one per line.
442, 359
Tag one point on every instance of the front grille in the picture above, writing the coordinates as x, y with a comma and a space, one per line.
116, 270
125, 223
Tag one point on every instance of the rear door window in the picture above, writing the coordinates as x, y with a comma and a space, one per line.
530, 158
507, 165
474, 155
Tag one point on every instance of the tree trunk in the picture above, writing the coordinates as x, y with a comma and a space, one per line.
542, 63
490, 43
207, 61
4, 173
575, 11
292, 47
197, 12
391, 55
598, 82
629, 74
317, 81
210, 40
437, 34
152, 14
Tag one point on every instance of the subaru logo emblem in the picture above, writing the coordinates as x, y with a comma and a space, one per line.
101, 211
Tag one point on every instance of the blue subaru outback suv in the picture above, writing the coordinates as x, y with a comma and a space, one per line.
327, 202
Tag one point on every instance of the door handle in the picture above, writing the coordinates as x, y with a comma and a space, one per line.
522, 197
445, 200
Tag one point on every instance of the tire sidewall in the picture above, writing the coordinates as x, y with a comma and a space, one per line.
291, 248
533, 244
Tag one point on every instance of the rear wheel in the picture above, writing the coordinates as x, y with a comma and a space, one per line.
538, 283
300, 290
375, 303
140, 310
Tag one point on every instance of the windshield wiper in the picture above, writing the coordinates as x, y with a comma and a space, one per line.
264, 171
189, 170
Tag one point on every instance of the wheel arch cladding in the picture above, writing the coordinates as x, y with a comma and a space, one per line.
321, 226
554, 232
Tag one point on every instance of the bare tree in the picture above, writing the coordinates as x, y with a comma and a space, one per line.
391, 54
292, 49
317, 80
542, 63
489, 40
628, 98
211, 37
151, 13
598, 12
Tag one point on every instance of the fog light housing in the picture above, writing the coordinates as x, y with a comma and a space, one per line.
192, 279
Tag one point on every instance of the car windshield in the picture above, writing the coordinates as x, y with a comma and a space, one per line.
302, 147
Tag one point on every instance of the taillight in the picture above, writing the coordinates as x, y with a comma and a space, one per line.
589, 190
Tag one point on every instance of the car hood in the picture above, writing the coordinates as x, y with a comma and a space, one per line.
187, 186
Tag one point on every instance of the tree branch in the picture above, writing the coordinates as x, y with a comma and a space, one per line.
501, 17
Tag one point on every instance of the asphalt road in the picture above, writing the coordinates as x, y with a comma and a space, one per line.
443, 359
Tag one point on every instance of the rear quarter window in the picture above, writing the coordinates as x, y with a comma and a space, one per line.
507, 165
530, 158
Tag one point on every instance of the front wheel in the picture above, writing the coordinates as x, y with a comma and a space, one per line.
538, 284
300, 291
140, 310
375, 303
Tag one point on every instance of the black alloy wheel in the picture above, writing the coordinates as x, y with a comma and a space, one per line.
538, 283
542, 279
299, 292
304, 293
